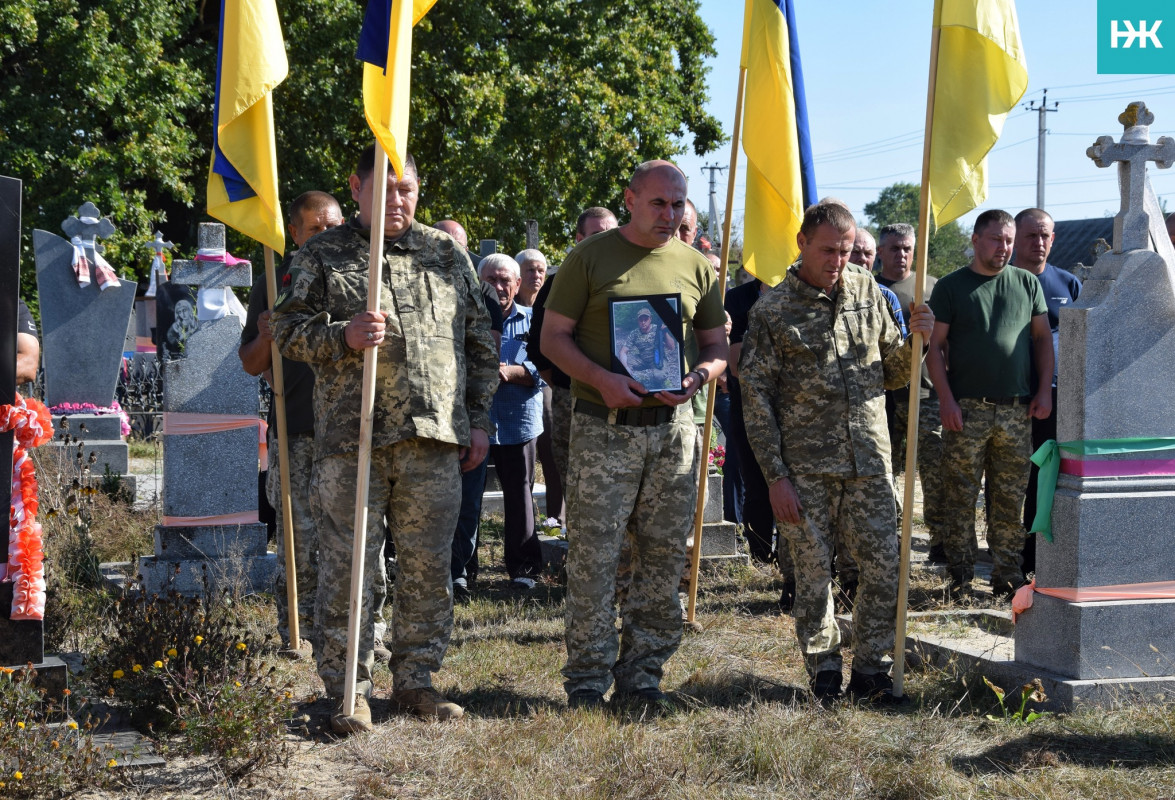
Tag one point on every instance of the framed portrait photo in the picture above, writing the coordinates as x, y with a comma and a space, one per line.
647, 340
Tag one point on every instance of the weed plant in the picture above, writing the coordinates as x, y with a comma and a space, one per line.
42, 752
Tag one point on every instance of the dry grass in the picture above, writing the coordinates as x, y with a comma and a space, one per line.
742, 728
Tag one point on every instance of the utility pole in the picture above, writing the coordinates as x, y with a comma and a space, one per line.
712, 222
1041, 130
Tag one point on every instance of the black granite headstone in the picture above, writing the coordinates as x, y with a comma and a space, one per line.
20, 642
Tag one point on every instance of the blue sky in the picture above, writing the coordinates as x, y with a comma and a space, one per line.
865, 70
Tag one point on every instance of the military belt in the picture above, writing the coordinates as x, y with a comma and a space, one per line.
643, 416
1003, 401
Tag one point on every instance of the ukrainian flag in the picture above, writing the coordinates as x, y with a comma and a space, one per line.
781, 181
250, 62
385, 44
981, 76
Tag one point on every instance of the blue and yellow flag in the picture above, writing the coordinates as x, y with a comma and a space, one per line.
385, 44
250, 62
981, 76
781, 181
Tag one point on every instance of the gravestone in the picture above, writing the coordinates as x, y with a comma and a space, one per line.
85, 316
210, 521
1114, 515
21, 641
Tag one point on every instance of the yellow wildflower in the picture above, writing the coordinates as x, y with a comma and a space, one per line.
158, 665
18, 775
118, 673
242, 646
20, 725
137, 668
198, 639
111, 763
73, 726
173, 652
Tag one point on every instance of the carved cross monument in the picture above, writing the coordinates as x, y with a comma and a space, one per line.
210, 446
1108, 621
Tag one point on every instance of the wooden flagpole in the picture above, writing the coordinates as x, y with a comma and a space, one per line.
703, 471
379, 196
923, 257
283, 461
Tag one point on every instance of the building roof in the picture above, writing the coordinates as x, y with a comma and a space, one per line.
1075, 239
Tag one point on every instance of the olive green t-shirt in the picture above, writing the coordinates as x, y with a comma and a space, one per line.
607, 266
990, 340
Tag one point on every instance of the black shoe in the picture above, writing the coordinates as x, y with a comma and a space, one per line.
585, 698
461, 593
787, 598
826, 685
936, 555
868, 687
649, 699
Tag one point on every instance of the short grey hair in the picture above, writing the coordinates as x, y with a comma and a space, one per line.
530, 254
498, 261
899, 229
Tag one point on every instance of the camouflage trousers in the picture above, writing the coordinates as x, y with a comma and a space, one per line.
626, 477
561, 405
863, 510
996, 440
305, 529
417, 484
930, 473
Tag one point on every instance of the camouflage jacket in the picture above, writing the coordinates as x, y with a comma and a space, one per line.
437, 369
813, 372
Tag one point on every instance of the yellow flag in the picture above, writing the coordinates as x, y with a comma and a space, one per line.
780, 178
981, 76
385, 44
242, 181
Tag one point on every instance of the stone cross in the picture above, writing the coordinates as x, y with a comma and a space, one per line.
157, 246
210, 478
532, 234
88, 226
1140, 219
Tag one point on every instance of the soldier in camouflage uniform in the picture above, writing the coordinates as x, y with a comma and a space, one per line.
310, 213
436, 375
632, 453
820, 349
642, 352
991, 327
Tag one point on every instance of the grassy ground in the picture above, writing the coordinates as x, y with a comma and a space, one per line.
742, 726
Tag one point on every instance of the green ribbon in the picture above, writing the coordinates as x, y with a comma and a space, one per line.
1048, 459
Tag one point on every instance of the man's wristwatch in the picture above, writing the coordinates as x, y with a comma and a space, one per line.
703, 373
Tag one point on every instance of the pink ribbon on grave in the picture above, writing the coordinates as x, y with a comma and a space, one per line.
237, 518
221, 256
1101, 468
107, 279
178, 423
1155, 590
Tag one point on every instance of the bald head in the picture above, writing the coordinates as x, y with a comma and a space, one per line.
454, 229
864, 249
659, 168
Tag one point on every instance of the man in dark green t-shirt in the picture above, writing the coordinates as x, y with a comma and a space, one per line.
991, 323
632, 451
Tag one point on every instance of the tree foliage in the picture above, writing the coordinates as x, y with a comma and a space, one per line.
899, 203
520, 109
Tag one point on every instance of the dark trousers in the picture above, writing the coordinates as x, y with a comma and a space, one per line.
1042, 431
473, 484
515, 465
758, 519
732, 479
554, 480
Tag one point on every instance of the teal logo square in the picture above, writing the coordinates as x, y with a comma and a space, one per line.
1135, 37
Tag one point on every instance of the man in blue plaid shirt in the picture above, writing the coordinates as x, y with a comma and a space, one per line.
518, 415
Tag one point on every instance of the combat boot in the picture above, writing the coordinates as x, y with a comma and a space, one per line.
358, 721
826, 685
427, 702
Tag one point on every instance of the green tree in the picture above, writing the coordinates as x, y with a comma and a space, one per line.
899, 203
520, 109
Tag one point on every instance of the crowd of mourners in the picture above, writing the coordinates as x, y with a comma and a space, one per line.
599, 371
